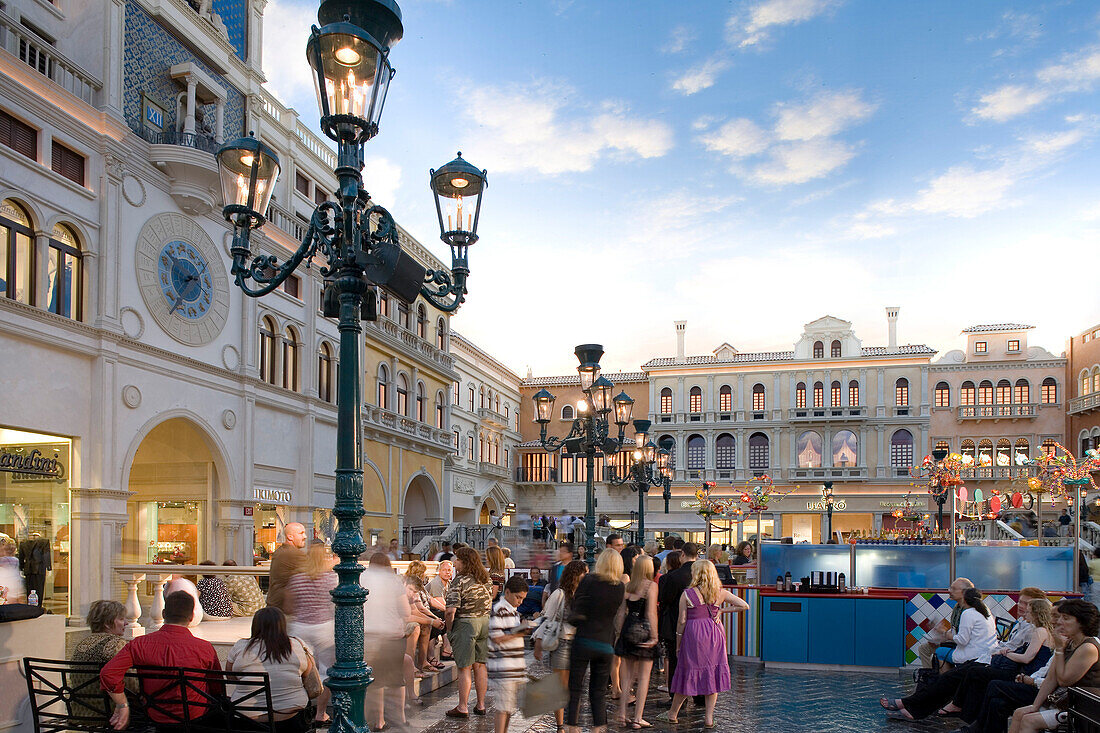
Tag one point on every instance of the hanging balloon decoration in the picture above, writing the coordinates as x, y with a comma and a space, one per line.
1062, 475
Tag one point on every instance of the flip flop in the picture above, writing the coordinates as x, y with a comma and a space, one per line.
887, 704
479, 711
456, 713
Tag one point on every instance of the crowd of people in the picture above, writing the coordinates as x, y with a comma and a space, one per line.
1003, 682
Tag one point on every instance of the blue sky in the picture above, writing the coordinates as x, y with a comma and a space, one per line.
744, 166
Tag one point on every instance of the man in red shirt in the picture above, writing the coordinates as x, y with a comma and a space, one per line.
172, 646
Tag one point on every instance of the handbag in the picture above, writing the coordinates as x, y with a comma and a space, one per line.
1060, 698
549, 631
637, 632
544, 696
312, 682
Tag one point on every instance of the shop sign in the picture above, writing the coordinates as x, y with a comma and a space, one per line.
894, 504
32, 466
819, 506
272, 496
689, 504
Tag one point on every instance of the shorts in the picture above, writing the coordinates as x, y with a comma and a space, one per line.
386, 657
470, 641
506, 695
1052, 717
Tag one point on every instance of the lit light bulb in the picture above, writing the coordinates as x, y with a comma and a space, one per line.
459, 182
347, 56
247, 159
582, 406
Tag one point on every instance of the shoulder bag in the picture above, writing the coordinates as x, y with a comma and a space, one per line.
311, 678
549, 631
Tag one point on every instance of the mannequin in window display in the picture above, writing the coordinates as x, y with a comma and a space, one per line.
35, 560
11, 582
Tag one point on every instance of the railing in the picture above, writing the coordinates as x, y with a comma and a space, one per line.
411, 536
987, 529
826, 413
285, 116
997, 412
391, 420
827, 472
315, 145
286, 221
997, 472
536, 475
1083, 403
492, 469
411, 343
492, 416
172, 137
34, 51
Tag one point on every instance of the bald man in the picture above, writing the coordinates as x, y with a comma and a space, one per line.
285, 562
939, 635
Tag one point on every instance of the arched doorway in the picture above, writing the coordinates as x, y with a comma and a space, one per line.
488, 505
174, 477
421, 504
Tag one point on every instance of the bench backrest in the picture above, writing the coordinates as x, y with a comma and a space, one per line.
66, 696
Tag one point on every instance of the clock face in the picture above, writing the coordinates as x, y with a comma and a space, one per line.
182, 279
185, 280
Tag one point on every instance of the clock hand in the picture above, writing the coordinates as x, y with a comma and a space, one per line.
178, 303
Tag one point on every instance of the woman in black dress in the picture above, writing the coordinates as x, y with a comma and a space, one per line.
637, 644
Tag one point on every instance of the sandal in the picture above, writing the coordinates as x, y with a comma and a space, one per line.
642, 724
479, 711
456, 713
887, 704
666, 718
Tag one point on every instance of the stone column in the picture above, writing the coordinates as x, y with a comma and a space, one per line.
97, 518
189, 111
219, 121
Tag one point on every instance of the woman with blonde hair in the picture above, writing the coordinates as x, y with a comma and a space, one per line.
702, 667
422, 618
637, 645
494, 559
714, 554
599, 593
309, 598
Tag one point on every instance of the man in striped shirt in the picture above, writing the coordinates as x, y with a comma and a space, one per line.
507, 665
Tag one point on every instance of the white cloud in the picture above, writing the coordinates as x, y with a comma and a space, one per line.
738, 138
700, 77
382, 178
1009, 101
799, 162
824, 116
756, 26
678, 39
1075, 73
703, 122
527, 128
286, 26
965, 192
1056, 142
801, 146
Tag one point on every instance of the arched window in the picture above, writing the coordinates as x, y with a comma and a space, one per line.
16, 253
901, 392
567, 412
1049, 391
1004, 392
383, 387
421, 321
819, 394
725, 399
481, 398
819, 350
1004, 452
421, 408
268, 336
1096, 379
1022, 450
666, 401
325, 369
291, 359
695, 400
967, 394
470, 443
64, 275
759, 453
440, 410
458, 442
809, 450
402, 394
403, 314
724, 451
1086, 383
967, 449
482, 453
800, 395
985, 452
835, 394
942, 395
985, 392
471, 403
441, 334
496, 403
1049, 446
853, 393
901, 449
668, 443
696, 453
834, 350
845, 449
758, 397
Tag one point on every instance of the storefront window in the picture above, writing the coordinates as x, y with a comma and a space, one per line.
34, 516
170, 531
324, 525
267, 527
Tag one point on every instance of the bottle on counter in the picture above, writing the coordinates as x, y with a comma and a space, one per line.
788, 582
32, 599
841, 584
779, 582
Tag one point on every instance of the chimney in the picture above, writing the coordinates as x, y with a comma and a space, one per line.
681, 327
892, 323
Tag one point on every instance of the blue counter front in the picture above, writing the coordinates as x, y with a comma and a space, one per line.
845, 629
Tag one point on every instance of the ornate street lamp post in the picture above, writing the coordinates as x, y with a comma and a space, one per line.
827, 500
590, 432
355, 245
664, 475
940, 495
645, 470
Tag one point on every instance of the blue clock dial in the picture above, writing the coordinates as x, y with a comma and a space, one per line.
184, 280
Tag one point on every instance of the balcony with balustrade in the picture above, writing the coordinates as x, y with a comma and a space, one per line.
35, 52
1083, 404
391, 424
492, 417
1014, 411
1003, 473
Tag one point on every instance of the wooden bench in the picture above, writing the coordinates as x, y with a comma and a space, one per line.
66, 696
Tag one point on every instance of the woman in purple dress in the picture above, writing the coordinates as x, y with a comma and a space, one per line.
702, 667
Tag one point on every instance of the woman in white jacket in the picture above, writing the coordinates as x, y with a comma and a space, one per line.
974, 644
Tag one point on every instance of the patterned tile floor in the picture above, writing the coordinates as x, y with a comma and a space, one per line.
761, 700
